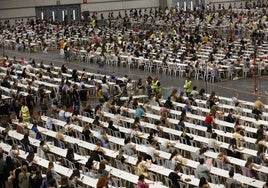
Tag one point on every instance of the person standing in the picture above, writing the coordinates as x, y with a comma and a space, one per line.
24, 177
24, 112
202, 170
188, 86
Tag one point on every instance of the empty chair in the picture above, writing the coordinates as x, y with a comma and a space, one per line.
262, 176
167, 181
32, 134
159, 160
215, 179
82, 137
117, 134
119, 164
186, 170
51, 157
41, 153
85, 170
117, 182
153, 176
82, 151
101, 157
219, 163
169, 164
183, 184
61, 144
127, 168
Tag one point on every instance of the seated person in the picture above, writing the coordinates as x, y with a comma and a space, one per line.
213, 143
151, 151
174, 177
231, 182
142, 167
44, 147
186, 136
129, 147
121, 157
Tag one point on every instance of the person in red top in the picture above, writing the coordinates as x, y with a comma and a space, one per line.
141, 183
208, 122
4, 63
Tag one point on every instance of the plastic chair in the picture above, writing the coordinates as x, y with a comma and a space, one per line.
85, 170
186, 170
117, 182
167, 182
119, 164
153, 176
183, 184
51, 157
262, 176
215, 179
168, 164
41, 153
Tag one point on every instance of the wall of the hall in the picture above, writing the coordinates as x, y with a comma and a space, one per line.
16, 9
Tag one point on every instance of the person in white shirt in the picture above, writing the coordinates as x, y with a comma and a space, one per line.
49, 124
152, 152
212, 142
63, 115
130, 88
235, 98
194, 92
14, 151
105, 90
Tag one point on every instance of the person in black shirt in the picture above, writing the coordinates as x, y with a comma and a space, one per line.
111, 126
3, 108
168, 104
26, 142
86, 132
174, 177
30, 101
83, 95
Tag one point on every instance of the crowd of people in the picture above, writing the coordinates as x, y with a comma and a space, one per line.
234, 37
72, 99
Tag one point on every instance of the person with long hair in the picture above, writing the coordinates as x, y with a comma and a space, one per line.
24, 177
50, 167
261, 158
142, 169
175, 157
174, 95
103, 175
86, 132
26, 142
203, 183
233, 149
251, 166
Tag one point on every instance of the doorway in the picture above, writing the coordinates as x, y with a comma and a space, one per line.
59, 13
